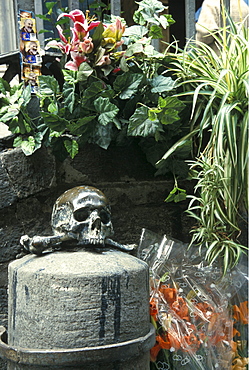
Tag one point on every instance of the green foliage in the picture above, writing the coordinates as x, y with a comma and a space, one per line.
176, 195
130, 97
218, 85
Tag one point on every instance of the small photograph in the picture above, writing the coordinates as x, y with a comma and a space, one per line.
28, 29
25, 14
31, 52
30, 76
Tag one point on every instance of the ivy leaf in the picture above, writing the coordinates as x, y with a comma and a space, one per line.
106, 109
28, 145
171, 108
169, 116
54, 121
4, 86
81, 126
9, 115
17, 142
176, 195
152, 113
161, 84
169, 18
141, 125
136, 32
127, 84
48, 85
38, 139
84, 72
97, 35
52, 107
171, 102
163, 21
69, 95
103, 135
26, 95
155, 32
71, 147
92, 91
136, 48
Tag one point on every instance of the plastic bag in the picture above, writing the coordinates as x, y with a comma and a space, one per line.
197, 313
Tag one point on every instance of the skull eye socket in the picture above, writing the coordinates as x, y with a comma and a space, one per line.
104, 216
81, 214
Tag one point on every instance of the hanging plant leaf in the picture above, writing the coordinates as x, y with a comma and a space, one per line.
84, 72
82, 125
127, 84
136, 32
136, 48
10, 115
54, 121
48, 85
28, 145
155, 32
53, 107
71, 147
103, 135
176, 195
141, 125
97, 35
161, 84
26, 95
92, 91
107, 111
69, 95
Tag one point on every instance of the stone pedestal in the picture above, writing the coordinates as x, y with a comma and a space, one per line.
96, 301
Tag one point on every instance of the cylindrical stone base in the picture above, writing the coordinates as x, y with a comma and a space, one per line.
87, 298
139, 363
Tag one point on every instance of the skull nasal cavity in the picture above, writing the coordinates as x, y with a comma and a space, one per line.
96, 224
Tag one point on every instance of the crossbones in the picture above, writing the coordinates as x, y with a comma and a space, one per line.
80, 216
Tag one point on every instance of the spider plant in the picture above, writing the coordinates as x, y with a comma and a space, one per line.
218, 88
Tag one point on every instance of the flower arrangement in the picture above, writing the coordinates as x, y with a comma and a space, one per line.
97, 51
189, 331
114, 89
200, 318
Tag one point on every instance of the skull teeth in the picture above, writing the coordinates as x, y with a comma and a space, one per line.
94, 241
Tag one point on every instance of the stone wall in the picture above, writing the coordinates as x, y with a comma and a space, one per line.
30, 185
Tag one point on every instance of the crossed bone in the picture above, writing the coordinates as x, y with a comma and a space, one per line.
38, 244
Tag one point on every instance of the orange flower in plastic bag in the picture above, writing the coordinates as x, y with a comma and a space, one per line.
153, 308
240, 313
169, 340
192, 342
154, 352
205, 308
163, 341
169, 294
181, 308
240, 363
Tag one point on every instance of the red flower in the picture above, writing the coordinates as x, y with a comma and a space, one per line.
81, 27
76, 61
